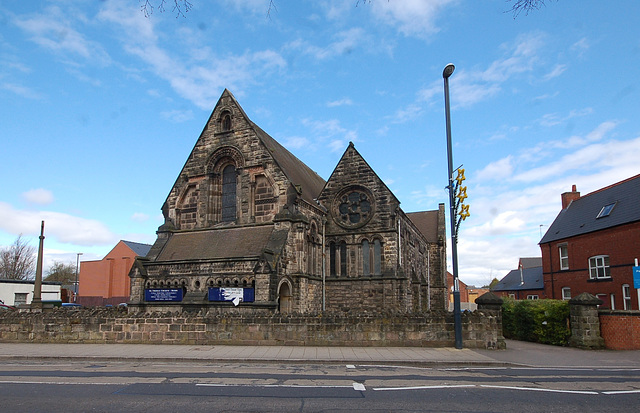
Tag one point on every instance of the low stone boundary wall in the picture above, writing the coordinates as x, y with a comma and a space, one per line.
481, 329
620, 329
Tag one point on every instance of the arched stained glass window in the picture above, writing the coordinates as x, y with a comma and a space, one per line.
229, 193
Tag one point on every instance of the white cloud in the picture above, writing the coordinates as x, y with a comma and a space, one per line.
139, 217
21, 90
64, 227
178, 116
296, 142
38, 196
411, 17
344, 42
340, 102
54, 31
498, 170
557, 71
201, 76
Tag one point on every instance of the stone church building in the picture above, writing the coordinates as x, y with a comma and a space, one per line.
250, 228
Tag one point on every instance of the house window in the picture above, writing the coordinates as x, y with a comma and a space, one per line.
566, 293
626, 297
606, 210
613, 301
532, 297
599, 267
511, 295
603, 298
20, 298
229, 193
564, 256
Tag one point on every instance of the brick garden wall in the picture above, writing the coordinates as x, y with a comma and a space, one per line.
480, 329
620, 329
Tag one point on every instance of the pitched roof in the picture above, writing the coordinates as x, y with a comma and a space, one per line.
513, 280
427, 223
244, 242
300, 175
529, 262
138, 248
581, 216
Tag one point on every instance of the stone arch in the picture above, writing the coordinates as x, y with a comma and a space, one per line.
224, 168
285, 297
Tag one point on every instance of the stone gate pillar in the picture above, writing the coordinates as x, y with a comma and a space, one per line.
491, 306
585, 322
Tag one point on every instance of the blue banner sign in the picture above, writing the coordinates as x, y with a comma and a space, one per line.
233, 294
163, 294
636, 277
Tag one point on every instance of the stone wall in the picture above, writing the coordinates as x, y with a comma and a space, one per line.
435, 329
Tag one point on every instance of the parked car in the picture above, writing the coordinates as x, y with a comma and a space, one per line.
6, 307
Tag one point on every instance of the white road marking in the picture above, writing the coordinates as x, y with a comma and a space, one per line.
621, 392
351, 366
358, 387
271, 385
539, 389
453, 386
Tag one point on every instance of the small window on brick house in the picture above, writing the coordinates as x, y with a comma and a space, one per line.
626, 297
563, 252
532, 297
599, 267
566, 293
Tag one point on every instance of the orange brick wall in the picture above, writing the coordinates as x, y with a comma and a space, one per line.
106, 278
620, 330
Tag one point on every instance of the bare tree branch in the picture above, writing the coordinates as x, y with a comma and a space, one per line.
525, 6
180, 7
17, 261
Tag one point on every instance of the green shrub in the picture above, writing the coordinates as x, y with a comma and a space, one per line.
541, 321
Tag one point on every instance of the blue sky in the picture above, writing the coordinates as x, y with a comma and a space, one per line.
100, 107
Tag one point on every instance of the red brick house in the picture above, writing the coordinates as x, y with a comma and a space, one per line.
592, 244
106, 281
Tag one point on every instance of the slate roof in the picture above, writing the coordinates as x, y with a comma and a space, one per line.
140, 249
529, 262
512, 282
580, 216
427, 223
300, 175
243, 242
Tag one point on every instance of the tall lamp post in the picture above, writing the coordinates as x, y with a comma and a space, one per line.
75, 293
446, 73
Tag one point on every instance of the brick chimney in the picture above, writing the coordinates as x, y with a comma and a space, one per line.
567, 197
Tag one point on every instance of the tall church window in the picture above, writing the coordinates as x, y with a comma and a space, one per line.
229, 193
377, 257
332, 258
338, 258
371, 257
343, 258
366, 258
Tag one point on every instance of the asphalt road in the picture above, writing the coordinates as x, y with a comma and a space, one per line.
254, 387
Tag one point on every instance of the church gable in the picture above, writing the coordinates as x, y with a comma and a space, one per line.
356, 198
232, 176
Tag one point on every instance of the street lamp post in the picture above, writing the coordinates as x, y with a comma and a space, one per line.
446, 73
75, 293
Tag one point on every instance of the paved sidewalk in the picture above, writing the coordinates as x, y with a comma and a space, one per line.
517, 354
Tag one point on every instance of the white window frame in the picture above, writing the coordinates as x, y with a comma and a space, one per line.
599, 267
626, 297
613, 301
532, 297
564, 259
566, 293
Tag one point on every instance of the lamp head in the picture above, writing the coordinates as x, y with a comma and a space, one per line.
448, 70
